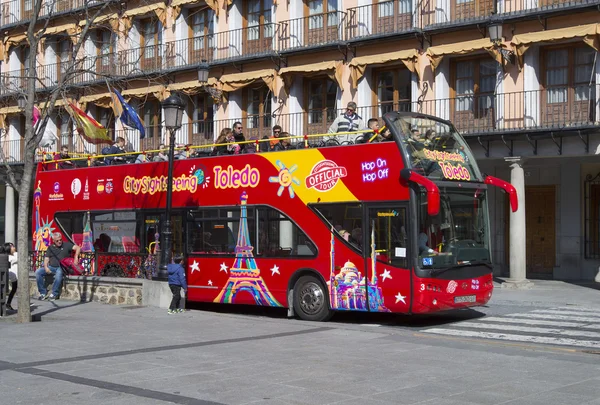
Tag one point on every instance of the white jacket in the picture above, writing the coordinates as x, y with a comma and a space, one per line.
12, 271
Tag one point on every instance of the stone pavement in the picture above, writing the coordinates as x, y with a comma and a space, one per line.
101, 354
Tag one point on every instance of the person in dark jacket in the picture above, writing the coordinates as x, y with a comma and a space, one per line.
176, 283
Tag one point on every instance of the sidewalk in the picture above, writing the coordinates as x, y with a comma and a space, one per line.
548, 293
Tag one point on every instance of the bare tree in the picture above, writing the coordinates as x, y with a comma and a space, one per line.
33, 134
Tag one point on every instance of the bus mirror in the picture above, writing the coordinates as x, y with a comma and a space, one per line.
433, 192
506, 186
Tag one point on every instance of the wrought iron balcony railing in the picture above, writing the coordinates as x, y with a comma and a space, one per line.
252, 41
564, 108
18, 11
312, 31
383, 18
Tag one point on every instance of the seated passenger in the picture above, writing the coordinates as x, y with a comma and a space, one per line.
222, 140
64, 154
161, 156
149, 157
283, 144
117, 148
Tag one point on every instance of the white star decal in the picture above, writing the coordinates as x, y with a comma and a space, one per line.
274, 270
400, 297
195, 267
385, 274
223, 267
209, 282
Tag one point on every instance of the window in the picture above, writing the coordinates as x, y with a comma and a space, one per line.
472, 93
200, 23
151, 44
393, 90
218, 231
215, 231
392, 16
24, 56
105, 47
569, 95
345, 219
71, 225
321, 95
258, 111
152, 118
322, 21
116, 232
106, 117
466, 9
389, 233
63, 54
278, 236
201, 111
258, 15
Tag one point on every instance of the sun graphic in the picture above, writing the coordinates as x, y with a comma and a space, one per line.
285, 179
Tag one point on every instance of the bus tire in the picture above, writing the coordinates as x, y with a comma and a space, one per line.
311, 301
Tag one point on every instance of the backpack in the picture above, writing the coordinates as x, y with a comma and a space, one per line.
105, 150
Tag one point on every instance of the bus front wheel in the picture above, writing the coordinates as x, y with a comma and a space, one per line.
310, 300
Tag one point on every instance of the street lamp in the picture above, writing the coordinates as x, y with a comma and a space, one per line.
203, 70
22, 102
173, 107
495, 32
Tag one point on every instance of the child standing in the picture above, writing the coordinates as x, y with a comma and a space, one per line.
176, 282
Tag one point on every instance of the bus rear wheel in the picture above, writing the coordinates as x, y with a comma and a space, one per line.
310, 300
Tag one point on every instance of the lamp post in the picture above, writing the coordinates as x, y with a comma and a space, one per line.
173, 108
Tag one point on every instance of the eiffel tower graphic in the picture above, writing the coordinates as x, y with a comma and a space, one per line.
244, 275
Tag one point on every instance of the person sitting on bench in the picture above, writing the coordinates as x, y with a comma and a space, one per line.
55, 253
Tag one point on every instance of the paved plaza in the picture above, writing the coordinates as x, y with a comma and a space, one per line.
539, 346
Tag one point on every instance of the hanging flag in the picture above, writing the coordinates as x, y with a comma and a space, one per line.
88, 241
36, 115
90, 129
127, 114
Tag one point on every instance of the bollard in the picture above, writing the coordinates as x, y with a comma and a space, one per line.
4, 266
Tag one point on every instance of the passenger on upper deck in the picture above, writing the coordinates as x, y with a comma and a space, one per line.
239, 136
350, 121
161, 157
221, 141
64, 154
117, 148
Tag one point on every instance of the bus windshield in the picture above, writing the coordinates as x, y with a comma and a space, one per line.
434, 149
459, 235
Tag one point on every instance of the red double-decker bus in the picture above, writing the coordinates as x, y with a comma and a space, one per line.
397, 226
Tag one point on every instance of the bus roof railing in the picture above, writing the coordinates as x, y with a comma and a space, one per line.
190, 148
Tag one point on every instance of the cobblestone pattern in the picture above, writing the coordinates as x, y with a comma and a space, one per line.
97, 292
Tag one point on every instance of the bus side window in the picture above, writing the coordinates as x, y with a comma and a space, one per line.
346, 221
279, 236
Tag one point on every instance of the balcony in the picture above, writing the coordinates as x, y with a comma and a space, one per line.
517, 7
381, 19
19, 11
456, 12
255, 41
312, 31
12, 81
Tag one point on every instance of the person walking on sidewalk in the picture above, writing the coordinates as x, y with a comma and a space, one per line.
176, 283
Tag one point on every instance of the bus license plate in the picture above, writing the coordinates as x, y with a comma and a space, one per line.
464, 298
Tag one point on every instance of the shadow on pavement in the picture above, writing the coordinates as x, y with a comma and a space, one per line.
350, 318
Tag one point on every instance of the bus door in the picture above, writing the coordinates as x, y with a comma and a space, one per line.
387, 256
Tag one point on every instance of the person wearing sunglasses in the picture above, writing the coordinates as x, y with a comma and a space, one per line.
349, 121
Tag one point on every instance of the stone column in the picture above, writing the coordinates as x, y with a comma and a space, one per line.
9, 215
518, 239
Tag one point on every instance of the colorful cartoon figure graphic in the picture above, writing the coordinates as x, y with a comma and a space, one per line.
244, 275
285, 179
200, 174
43, 229
347, 288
